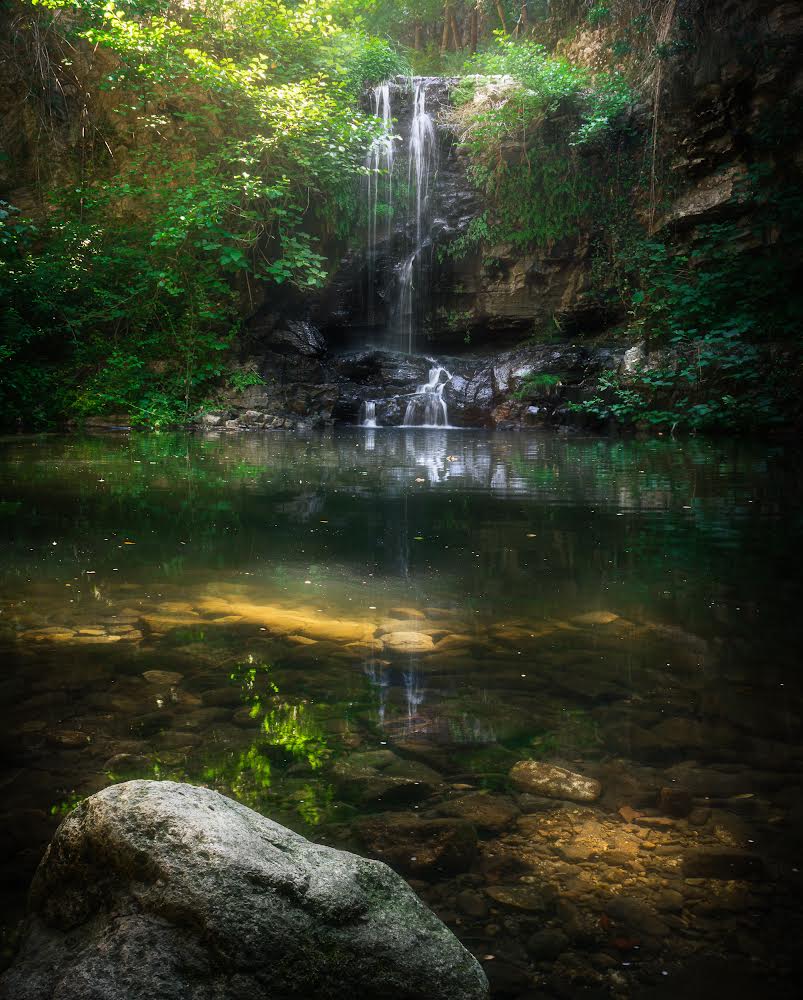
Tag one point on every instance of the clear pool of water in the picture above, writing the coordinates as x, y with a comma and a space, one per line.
259, 613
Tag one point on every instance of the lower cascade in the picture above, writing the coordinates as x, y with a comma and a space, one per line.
368, 413
427, 408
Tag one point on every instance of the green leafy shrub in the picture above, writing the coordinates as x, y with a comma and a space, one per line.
375, 61
599, 13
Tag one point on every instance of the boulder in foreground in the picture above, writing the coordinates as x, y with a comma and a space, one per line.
157, 889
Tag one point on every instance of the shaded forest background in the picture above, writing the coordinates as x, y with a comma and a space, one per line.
169, 168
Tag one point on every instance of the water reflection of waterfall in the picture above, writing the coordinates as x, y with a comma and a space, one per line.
414, 691
378, 679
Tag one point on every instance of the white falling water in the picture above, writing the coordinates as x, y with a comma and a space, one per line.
427, 407
368, 413
405, 319
423, 150
422, 160
379, 170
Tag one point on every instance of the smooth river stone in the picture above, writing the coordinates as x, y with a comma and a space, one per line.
595, 618
408, 642
555, 782
279, 620
406, 613
163, 677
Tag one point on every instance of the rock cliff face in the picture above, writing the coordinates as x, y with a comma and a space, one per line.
729, 92
156, 889
496, 296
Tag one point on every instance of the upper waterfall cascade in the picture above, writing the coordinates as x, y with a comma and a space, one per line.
403, 229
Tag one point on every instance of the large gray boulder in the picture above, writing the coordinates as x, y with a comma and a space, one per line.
162, 891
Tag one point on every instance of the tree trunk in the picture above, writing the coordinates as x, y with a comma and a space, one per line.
473, 30
523, 21
456, 39
417, 41
447, 10
500, 10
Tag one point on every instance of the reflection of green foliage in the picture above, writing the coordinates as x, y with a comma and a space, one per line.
246, 470
283, 725
289, 726
250, 774
576, 731
314, 803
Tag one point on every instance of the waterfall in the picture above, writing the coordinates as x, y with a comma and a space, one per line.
422, 162
379, 172
422, 157
368, 413
427, 408
400, 244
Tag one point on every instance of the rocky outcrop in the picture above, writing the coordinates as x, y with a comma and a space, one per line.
523, 387
156, 889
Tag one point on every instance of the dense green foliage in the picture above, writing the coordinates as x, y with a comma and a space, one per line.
528, 139
247, 138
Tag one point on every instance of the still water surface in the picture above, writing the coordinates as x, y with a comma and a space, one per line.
258, 613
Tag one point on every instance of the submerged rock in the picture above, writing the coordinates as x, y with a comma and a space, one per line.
555, 782
488, 813
408, 642
419, 847
722, 863
379, 777
157, 889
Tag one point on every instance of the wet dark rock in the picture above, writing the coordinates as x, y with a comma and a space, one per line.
669, 901
155, 889
297, 337
635, 916
488, 813
529, 803
675, 801
722, 863
70, 739
225, 697
507, 979
547, 944
526, 897
471, 904
421, 848
127, 764
380, 777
